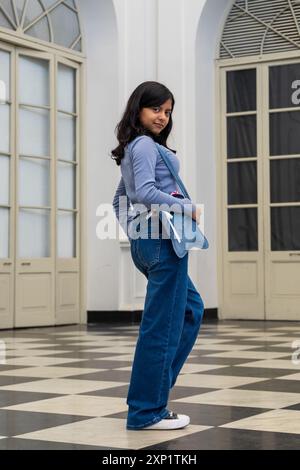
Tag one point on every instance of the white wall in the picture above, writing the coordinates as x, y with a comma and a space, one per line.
128, 42
101, 41
206, 49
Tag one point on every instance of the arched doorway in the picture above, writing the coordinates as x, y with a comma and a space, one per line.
40, 159
259, 161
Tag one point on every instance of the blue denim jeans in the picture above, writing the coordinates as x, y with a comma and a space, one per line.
170, 324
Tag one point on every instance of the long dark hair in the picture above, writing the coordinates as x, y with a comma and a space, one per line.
146, 95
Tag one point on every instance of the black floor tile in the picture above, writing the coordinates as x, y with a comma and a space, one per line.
11, 397
293, 407
240, 371
13, 423
253, 344
181, 392
109, 375
12, 380
5, 367
285, 386
276, 349
28, 444
221, 361
209, 415
117, 392
121, 415
93, 364
79, 354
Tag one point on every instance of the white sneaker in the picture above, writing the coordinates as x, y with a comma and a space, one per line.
173, 421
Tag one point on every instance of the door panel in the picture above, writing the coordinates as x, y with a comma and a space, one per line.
282, 190
67, 217
35, 299
243, 261
6, 188
67, 296
35, 293
6, 305
261, 191
39, 189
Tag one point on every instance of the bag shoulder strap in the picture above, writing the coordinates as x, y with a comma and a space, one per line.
171, 168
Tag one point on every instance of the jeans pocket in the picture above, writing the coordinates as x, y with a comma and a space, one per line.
135, 258
148, 251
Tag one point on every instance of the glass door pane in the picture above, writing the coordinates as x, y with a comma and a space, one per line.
66, 137
284, 94
34, 132
241, 91
284, 86
34, 81
285, 228
242, 183
66, 185
4, 180
66, 161
5, 101
284, 133
34, 226
4, 127
242, 226
37, 170
66, 235
4, 232
4, 76
285, 180
66, 89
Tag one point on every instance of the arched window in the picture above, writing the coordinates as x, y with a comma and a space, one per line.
54, 21
256, 27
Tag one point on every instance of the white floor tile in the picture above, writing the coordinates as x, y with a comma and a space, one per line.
62, 386
248, 398
80, 405
215, 381
108, 432
287, 421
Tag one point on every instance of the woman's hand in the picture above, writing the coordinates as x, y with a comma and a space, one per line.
196, 215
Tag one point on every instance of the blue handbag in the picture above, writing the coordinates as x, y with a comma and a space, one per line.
184, 231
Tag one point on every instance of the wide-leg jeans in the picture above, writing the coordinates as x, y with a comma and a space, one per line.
171, 319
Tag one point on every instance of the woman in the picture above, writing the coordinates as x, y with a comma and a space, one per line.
173, 308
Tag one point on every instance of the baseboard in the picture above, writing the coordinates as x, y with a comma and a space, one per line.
125, 316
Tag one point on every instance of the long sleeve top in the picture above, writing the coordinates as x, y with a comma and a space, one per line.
145, 180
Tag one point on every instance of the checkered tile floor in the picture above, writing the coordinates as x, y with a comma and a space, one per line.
66, 387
